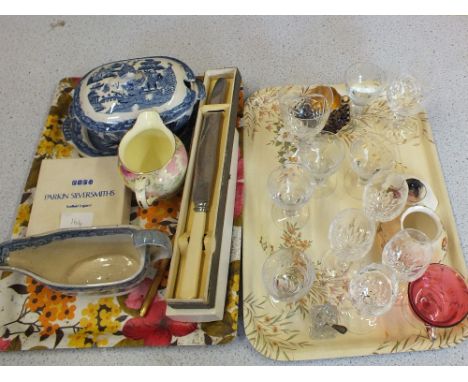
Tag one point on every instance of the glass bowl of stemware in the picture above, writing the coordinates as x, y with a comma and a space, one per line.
290, 186
287, 275
385, 196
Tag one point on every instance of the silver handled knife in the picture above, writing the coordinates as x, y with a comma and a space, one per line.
206, 165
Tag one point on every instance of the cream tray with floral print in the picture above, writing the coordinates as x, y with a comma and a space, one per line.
284, 335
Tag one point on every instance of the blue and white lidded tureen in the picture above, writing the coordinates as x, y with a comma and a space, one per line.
109, 98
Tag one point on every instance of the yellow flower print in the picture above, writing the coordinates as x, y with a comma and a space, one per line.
91, 310
54, 133
77, 340
62, 151
88, 324
24, 211
45, 147
52, 121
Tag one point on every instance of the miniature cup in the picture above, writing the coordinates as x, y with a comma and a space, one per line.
426, 220
152, 160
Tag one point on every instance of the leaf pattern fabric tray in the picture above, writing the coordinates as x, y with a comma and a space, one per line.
34, 317
285, 335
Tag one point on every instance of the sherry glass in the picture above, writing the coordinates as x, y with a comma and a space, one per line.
364, 82
385, 196
408, 253
404, 96
323, 157
291, 186
372, 293
369, 154
287, 275
351, 235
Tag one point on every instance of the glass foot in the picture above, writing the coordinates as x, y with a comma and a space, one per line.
297, 218
400, 131
325, 189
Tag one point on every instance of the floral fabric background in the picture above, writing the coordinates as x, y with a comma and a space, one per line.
34, 317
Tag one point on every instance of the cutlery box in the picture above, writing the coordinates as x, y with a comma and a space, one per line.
209, 302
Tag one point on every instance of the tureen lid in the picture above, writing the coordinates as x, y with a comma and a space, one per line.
110, 97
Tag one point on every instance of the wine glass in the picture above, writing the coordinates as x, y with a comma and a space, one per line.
372, 293
291, 186
409, 253
404, 97
439, 298
287, 275
351, 235
369, 154
385, 196
306, 114
364, 82
323, 157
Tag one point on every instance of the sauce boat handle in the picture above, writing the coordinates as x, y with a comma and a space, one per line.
153, 238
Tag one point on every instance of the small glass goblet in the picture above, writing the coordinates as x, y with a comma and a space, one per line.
291, 186
351, 235
287, 275
307, 115
404, 96
323, 157
385, 196
439, 298
409, 253
369, 155
365, 82
372, 293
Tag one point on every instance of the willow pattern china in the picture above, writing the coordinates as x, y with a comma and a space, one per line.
152, 160
439, 298
385, 196
408, 253
287, 275
86, 261
351, 235
364, 82
109, 98
323, 157
369, 154
404, 96
290, 186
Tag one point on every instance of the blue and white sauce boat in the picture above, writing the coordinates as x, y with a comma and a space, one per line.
98, 261
109, 98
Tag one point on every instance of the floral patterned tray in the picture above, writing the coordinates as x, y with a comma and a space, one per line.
35, 317
285, 335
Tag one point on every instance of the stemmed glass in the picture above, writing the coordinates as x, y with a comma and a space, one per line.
409, 253
364, 82
385, 196
287, 275
323, 157
306, 113
351, 236
372, 293
369, 155
404, 96
290, 186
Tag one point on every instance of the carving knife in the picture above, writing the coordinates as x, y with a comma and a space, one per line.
206, 164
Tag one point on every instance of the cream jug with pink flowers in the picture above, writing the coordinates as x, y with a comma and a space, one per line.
152, 160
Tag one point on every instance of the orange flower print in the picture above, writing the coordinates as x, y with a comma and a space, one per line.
62, 151
48, 329
160, 211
